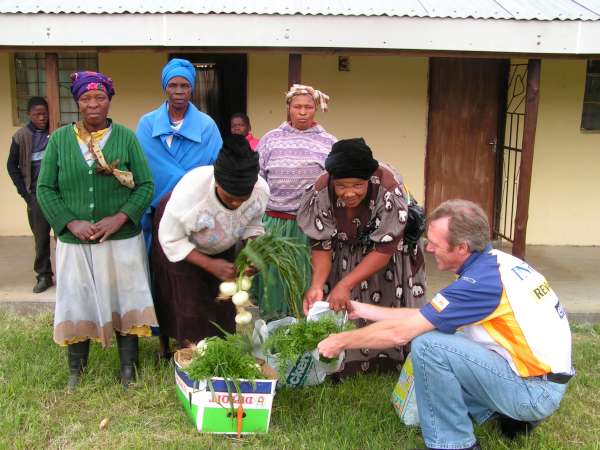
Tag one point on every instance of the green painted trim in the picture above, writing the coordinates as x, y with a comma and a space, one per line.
216, 420
190, 408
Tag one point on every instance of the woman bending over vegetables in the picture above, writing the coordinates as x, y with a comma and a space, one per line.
195, 231
355, 216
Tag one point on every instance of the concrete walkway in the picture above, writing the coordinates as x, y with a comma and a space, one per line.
573, 272
17, 277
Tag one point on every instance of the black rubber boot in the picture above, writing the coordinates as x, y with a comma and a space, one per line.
42, 284
128, 355
164, 353
78, 357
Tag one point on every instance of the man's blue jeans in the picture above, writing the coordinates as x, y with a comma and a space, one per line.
457, 379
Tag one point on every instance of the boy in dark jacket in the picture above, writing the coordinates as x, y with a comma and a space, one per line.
24, 161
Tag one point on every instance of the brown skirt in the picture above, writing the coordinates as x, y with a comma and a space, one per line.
184, 294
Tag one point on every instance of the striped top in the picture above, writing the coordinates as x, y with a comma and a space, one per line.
68, 189
290, 161
505, 305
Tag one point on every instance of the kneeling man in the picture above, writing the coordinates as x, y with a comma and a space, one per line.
494, 342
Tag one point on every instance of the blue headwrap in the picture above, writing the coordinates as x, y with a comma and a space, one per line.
178, 68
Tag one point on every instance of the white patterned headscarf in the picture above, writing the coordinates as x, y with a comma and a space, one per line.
319, 97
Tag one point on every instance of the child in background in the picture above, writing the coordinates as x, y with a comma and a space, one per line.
240, 124
24, 160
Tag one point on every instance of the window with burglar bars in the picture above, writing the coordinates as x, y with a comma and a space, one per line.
590, 117
30, 79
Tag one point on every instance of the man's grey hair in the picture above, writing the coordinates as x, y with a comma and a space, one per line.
467, 223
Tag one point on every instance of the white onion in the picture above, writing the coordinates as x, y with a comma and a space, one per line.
245, 283
227, 288
243, 317
201, 347
240, 298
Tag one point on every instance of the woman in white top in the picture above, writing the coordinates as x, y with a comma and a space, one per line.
196, 228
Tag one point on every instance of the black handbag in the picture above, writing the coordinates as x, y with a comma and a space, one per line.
416, 223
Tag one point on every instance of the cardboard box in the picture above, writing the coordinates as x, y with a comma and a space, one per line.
210, 410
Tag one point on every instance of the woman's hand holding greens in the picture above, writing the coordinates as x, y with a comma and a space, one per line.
222, 269
339, 297
312, 295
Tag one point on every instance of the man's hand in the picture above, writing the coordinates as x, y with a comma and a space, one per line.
312, 295
339, 297
81, 229
356, 310
108, 226
222, 269
332, 346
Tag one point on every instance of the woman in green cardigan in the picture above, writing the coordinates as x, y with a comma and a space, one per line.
94, 186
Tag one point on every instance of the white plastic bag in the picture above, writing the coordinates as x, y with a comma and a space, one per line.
321, 309
262, 331
309, 369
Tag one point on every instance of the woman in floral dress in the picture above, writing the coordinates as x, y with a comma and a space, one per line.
355, 216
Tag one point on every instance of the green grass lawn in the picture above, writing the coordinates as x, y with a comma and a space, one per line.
36, 411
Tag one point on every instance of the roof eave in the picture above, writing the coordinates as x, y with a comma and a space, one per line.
301, 31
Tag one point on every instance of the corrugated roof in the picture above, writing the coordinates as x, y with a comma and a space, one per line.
477, 9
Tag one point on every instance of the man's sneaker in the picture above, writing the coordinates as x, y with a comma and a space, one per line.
511, 428
42, 284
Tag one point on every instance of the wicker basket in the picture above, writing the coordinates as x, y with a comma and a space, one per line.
183, 357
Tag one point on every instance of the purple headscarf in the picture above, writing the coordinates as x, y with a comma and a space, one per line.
81, 82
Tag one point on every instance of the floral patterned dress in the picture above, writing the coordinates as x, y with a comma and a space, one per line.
377, 225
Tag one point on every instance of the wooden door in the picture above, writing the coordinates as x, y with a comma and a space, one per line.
466, 108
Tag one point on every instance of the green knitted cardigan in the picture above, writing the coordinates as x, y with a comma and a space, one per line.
68, 189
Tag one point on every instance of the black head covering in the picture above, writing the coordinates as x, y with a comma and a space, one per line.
236, 167
351, 158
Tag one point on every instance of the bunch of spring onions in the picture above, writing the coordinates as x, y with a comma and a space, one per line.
227, 357
286, 255
292, 341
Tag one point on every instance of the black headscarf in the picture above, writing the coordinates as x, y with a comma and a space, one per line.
351, 158
236, 167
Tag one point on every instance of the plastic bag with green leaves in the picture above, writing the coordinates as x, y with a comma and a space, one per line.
290, 346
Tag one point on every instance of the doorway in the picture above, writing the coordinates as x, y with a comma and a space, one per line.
221, 81
465, 130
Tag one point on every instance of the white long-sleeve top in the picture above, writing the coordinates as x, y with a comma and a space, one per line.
194, 218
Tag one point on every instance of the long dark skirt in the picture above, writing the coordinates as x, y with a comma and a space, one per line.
184, 294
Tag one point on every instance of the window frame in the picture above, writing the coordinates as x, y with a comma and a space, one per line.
592, 64
82, 61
